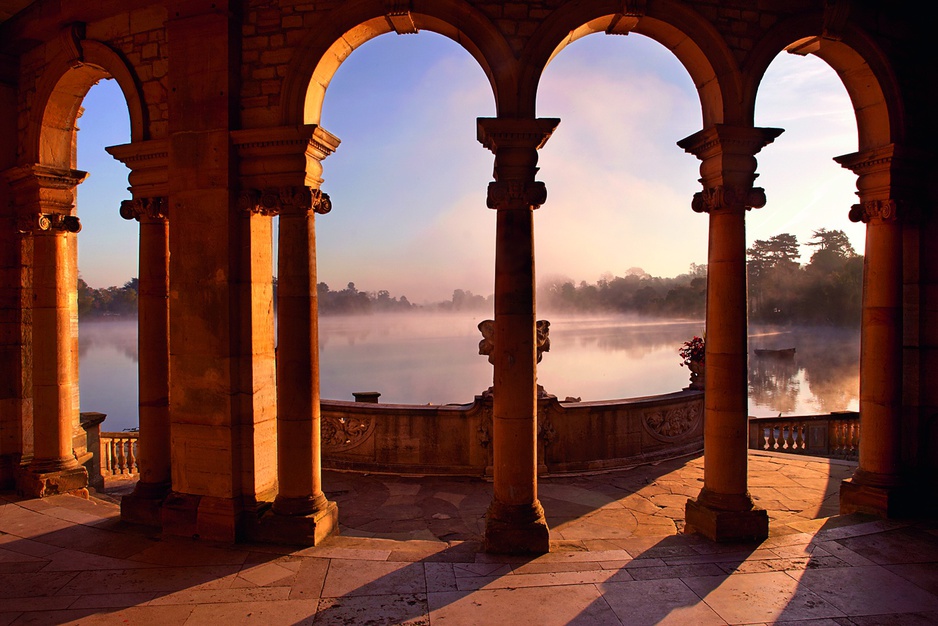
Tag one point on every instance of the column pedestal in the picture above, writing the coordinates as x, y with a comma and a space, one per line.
516, 529
36, 482
143, 506
304, 530
744, 523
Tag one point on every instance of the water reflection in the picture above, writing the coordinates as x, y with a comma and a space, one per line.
107, 353
420, 359
822, 376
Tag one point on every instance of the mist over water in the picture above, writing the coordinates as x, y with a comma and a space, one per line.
426, 358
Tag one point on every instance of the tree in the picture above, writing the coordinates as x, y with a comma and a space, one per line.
832, 250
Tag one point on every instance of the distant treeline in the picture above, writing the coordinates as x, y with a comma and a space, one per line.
108, 301
781, 290
637, 292
351, 301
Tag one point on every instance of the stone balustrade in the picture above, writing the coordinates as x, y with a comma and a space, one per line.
119, 453
835, 435
457, 439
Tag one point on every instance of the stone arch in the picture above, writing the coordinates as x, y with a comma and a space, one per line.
68, 77
860, 64
688, 35
354, 23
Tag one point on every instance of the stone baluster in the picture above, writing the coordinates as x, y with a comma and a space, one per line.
515, 521
724, 510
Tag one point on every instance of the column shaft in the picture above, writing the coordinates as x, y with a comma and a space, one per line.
55, 379
154, 454
881, 355
726, 384
515, 402
298, 417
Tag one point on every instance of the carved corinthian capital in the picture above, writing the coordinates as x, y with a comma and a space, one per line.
879, 210
516, 194
156, 208
277, 200
728, 197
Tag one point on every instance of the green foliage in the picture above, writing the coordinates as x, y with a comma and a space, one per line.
107, 301
825, 291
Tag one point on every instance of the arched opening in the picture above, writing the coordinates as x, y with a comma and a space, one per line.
107, 264
48, 188
621, 257
805, 255
405, 257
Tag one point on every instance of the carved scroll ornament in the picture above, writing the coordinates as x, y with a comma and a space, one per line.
882, 210
345, 433
44, 222
156, 208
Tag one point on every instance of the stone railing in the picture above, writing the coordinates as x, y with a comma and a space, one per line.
835, 435
456, 439
119, 453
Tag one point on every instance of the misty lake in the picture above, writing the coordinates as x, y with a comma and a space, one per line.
434, 359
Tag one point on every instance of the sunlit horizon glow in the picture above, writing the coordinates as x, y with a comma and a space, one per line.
408, 182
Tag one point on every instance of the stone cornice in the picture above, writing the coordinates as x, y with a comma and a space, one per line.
722, 139
148, 162
496, 133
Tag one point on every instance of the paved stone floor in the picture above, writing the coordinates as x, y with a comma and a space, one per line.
409, 554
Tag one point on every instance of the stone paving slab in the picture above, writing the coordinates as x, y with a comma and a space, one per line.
64, 560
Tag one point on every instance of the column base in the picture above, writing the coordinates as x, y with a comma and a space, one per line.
516, 529
296, 530
35, 481
888, 501
144, 506
724, 526
200, 517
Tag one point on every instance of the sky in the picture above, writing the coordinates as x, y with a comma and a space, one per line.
408, 182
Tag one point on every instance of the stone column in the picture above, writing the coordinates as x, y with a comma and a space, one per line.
280, 171
515, 521
878, 486
148, 179
48, 203
724, 510
153, 455
299, 454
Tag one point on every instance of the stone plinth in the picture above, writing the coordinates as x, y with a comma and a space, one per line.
296, 530
36, 483
726, 526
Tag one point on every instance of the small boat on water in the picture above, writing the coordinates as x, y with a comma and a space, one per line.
783, 353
